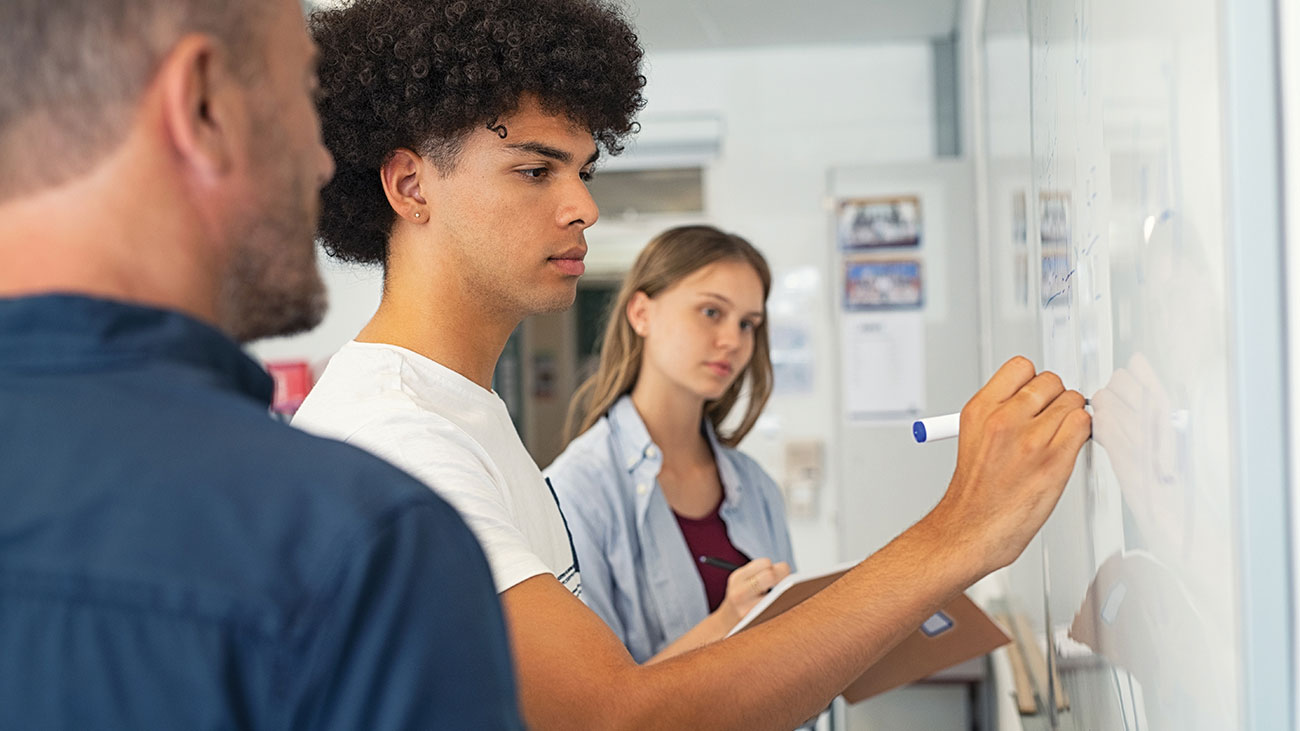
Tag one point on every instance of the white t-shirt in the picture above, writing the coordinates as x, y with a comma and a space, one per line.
458, 438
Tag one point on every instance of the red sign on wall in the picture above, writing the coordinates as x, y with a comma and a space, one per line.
293, 379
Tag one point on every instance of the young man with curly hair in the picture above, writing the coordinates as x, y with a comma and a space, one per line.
465, 132
171, 557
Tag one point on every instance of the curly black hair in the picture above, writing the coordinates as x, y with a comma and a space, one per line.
423, 74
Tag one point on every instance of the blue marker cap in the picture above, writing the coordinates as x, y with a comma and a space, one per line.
918, 431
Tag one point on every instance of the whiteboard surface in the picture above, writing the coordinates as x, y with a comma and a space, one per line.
1106, 172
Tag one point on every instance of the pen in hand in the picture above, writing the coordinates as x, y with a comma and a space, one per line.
718, 563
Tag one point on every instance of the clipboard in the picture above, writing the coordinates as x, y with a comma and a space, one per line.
958, 632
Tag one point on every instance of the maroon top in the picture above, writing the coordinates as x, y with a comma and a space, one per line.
707, 536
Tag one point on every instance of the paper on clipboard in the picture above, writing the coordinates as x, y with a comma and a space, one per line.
959, 632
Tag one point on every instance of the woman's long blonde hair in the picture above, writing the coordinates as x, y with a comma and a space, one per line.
667, 259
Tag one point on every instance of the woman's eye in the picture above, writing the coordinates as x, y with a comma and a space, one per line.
710, 312
746, 325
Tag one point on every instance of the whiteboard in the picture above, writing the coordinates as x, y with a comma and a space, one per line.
1114, 212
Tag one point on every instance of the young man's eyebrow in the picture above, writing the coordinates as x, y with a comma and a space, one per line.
545, 150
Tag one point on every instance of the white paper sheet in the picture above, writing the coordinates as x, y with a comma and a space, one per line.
883, 367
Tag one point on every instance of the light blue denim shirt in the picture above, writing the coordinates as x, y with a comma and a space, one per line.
637, 572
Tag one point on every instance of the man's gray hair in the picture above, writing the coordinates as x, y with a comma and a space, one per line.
73, 71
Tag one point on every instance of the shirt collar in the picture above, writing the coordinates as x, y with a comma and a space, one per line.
64, 332
639, 454
634, 443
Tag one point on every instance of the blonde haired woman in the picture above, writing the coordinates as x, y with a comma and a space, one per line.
652, 484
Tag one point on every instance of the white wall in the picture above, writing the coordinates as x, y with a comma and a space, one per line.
353, 297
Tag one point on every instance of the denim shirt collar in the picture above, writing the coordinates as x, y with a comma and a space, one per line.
67, 332
642, 458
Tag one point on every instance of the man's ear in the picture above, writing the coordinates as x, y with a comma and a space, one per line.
400, 176
201, 103
638, 313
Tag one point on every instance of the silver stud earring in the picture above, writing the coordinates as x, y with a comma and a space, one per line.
417, 215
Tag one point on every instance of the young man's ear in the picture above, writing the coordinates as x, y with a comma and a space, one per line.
400, 176
202, 105
638, 313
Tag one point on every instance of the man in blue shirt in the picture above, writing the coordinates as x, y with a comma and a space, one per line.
170, 557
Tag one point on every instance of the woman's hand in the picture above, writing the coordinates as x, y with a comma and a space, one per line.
748, 584
745, 587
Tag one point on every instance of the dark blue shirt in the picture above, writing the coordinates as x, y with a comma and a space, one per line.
172, 558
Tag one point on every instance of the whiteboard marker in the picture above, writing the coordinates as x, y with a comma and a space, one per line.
936, 427
944, 427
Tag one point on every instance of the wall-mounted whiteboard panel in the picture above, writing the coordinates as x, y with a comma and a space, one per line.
1108, 164
1129, 196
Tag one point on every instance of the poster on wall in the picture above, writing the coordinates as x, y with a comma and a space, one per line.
882, 284
887, 221
293, 380
792, 358
884, 365
795, 293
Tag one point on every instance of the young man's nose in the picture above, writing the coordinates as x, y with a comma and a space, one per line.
578, 208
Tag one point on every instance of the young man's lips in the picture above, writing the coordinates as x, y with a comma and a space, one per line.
571, 267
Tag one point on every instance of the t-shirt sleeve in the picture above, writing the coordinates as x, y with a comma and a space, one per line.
444, 458
411, 637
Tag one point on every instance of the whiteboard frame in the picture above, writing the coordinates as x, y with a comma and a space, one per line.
1289, 63
1252, 117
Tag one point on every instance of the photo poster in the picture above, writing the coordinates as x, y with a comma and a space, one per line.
884, 365
872, 283
883, 337
879, 222
880, 240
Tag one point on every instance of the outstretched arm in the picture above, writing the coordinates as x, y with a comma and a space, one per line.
1019, 439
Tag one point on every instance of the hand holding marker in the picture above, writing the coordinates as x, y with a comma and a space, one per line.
947, 426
